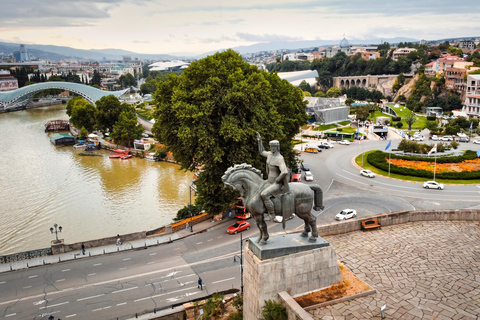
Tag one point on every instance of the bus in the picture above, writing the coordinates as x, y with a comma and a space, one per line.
240, 211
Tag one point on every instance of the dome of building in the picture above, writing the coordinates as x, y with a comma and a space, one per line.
344, 43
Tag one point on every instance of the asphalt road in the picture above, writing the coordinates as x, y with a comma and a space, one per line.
122, 284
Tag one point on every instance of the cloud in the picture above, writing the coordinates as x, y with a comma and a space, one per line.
142, 42
265, 37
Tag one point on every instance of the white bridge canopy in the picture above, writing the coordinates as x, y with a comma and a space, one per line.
18, 97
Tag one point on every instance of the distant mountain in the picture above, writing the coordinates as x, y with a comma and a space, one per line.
57, 53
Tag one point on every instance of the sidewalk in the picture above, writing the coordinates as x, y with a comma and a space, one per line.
130, 245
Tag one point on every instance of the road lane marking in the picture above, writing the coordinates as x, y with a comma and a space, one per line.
71, 315
199, 242
91, 274
54, 305
151, 262
121, 304
2, 282
10, 315
108, 307
134, 276
27, 287
122, 290
65, 270
91, 297
60, 280
210, 240
97, 264
223, 280
124, 268
126, 259
33, 276
163, 294
152, 254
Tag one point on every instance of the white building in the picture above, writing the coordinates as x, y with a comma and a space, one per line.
472, 98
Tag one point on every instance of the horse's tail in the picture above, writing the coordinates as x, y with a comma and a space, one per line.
318, 197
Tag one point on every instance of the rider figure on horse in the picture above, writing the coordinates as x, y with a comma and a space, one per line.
277, 182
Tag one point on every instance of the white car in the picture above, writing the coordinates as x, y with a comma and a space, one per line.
419, 138
308, 176
446, 138
345, 142
325, 145
367, 173
346, 214
433, 185
434, 138
476, 141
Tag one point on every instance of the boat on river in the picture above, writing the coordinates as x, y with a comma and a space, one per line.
125, 157
93, 145
151, 157
119, 153
80, 144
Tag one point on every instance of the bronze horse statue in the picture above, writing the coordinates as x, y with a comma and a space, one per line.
248, 181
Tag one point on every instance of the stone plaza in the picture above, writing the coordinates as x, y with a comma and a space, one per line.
420, 270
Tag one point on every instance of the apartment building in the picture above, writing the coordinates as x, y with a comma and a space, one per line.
472, 99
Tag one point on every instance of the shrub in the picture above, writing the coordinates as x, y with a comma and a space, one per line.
399, 125
273, 310
431, 118
396, 118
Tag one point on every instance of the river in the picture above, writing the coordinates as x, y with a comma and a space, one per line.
91, 197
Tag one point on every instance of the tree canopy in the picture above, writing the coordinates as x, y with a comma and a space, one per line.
209, 115
126, 129
109, 110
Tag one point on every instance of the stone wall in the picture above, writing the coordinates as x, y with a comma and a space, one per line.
295, 273
26, 255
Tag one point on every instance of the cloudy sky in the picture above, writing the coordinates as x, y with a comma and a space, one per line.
198, 26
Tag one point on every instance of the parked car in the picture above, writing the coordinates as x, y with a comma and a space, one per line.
367, 173
419, 138
434, 137
433, 185
346, 214
344, 142
446, 138
297, 177
311, 150
308, 176
238, 227
325, 145
305, 166
463, 139
476, 141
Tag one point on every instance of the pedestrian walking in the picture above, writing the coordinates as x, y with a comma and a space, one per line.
119, 240
186, 226
83, 248
200, 283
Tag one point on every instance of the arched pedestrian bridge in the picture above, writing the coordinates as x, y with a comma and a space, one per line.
21, 97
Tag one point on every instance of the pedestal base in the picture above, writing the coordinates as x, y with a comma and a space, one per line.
289, 263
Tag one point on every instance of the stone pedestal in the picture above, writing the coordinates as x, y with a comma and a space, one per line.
58, 247
286, 263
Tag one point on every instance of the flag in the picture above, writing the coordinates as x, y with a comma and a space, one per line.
434, 149
358, 129
388, 145
471, 125
478, 153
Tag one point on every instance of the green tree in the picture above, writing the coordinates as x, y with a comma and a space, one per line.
83, 134
333, 92
96, 79
83, 114
209, 115
126, 129
109, 110
410, 119
362, 113
71, 103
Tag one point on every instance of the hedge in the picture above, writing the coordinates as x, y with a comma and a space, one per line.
396, 118
378, 159
431, 118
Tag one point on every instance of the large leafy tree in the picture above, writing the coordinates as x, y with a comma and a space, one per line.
126, 129
208, 117
83, 114
109, 110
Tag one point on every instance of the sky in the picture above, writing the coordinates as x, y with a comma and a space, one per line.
198, 26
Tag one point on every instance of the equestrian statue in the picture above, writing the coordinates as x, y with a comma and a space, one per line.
276, 195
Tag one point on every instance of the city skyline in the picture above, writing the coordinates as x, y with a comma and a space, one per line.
188, 28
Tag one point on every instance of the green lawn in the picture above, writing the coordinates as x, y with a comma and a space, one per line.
366, 165
417, 125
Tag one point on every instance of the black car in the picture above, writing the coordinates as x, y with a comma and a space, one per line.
305, 167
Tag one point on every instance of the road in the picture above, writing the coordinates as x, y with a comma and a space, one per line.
122, 284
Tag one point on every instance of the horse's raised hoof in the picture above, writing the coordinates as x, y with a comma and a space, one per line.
318, 208
304, 234
312, 239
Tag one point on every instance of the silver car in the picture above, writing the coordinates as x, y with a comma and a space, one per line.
433, 185
367, 173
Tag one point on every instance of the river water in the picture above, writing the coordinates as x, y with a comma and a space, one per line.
91, 197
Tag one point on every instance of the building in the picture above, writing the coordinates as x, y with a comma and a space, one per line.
302, 56
327, 110
174, 65
22, 55
402, 52
466, 44
62, 139
296, 77
7, 81
454, 79
472, 99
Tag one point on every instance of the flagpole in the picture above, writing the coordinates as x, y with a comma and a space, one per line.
435, 167
389, 158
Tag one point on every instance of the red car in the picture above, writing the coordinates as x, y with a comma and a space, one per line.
238, 226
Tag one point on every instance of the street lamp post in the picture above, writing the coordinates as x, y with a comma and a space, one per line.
241, 263
56, 232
